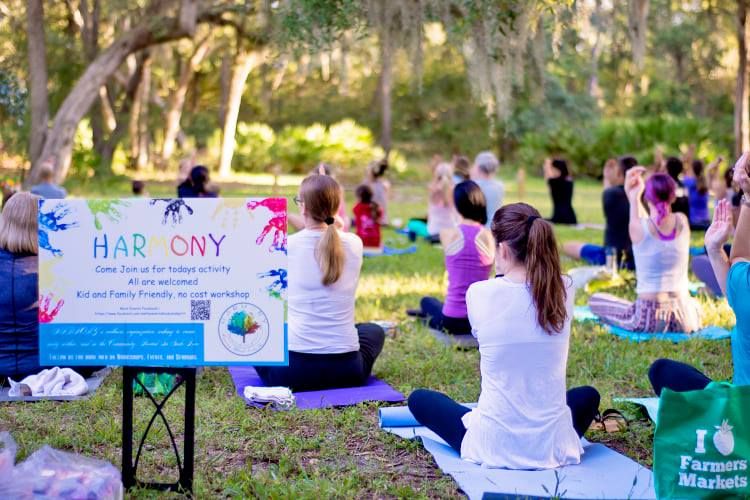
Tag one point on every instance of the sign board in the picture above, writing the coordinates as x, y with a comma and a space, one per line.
163, 282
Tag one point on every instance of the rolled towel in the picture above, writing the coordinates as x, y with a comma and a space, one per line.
50, 382
280, 397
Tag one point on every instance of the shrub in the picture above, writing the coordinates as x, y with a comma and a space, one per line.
253, 149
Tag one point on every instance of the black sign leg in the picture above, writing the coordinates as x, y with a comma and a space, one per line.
184, 463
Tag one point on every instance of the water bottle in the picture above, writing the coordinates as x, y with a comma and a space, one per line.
611, 260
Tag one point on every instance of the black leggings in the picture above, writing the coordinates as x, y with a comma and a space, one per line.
311, 372
679, 377
433, 308
442, 415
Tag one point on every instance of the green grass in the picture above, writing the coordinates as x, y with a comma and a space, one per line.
341, 452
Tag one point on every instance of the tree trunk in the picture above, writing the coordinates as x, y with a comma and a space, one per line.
143, 131
384, 91
38, 79
177, 99
152, 31
637, 18
225, 76
243, 64
741, 110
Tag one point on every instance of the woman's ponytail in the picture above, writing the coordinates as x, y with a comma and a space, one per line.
331, 255
321, 196
532, 241
545, 277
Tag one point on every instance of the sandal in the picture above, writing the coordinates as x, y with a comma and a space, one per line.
610, 421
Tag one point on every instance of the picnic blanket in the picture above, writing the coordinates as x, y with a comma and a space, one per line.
374, 390
602, 473
584, 314
93, 382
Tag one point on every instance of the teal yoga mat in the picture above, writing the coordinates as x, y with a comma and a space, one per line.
602, 473
583, 314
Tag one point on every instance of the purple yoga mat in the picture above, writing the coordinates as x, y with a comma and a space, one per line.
374, 390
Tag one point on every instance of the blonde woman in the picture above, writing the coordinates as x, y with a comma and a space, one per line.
441, 213
326, 348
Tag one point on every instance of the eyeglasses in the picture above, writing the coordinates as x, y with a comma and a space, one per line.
297, 200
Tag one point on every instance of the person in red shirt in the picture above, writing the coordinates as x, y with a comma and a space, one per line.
367, 215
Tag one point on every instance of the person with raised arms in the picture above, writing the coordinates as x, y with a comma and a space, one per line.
469, 252
733, 274
661, 247
525, 418
560, 182
326, 348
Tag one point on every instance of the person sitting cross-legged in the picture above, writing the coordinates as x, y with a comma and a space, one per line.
733, 274
469, 251
661, 246
525, 418
326, 348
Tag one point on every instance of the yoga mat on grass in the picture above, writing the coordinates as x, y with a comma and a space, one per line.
389, 251
651, 405
584, 314
602, 473
466, 341
93, 382
374, 390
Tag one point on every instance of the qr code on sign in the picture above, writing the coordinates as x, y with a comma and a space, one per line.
200, 310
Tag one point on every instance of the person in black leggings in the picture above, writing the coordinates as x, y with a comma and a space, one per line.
310, 372
442, 415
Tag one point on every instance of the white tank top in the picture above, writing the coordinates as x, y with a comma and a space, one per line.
662, 266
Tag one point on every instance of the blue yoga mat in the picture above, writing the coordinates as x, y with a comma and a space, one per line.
602, 473
584, 314
391, 251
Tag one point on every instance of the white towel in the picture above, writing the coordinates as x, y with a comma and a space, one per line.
279, 397
50, 382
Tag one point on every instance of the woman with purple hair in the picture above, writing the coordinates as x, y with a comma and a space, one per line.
661, 245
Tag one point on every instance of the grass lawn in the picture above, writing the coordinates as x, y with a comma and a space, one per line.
341, 452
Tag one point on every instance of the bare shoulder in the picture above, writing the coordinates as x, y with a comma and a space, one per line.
448, 236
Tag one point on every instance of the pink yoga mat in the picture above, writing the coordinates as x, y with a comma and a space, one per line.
374, 390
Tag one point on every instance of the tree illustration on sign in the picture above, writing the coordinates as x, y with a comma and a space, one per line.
242, 323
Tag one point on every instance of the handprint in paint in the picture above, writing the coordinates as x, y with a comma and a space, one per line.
229, 212
174, 209
277, 223
50, 220
278, 287
45, 314
110, 209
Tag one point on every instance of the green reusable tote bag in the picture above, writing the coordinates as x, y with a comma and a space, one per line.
702, 443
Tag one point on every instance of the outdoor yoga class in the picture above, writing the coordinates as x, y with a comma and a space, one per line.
484, 249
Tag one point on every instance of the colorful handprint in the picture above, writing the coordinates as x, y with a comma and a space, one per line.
173, 208
110, 209
277, 223
45, 314
242, 323
229, 212
50, 220
278, 287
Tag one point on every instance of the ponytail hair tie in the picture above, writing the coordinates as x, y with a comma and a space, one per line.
329, 221
530, 221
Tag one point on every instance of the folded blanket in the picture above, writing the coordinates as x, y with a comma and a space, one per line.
50, 382
280, 398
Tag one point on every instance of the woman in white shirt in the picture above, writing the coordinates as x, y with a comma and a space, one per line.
326, 348
525, 418
661, 247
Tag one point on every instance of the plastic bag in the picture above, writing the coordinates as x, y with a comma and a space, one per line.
158, 384
50, 473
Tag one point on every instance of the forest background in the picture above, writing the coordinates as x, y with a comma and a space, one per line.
131, 86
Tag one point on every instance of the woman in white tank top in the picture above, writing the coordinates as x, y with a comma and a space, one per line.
661, 247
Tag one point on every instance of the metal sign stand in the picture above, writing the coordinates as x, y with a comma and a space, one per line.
185, 463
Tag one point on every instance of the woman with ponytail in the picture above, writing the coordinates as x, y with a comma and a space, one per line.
525, 418
661, 247
326, 348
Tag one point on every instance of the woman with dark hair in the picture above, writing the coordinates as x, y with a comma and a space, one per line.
381, 187
661, 246
196, 185
326, 348
469, 251
525, 418
681, 203
560, 182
